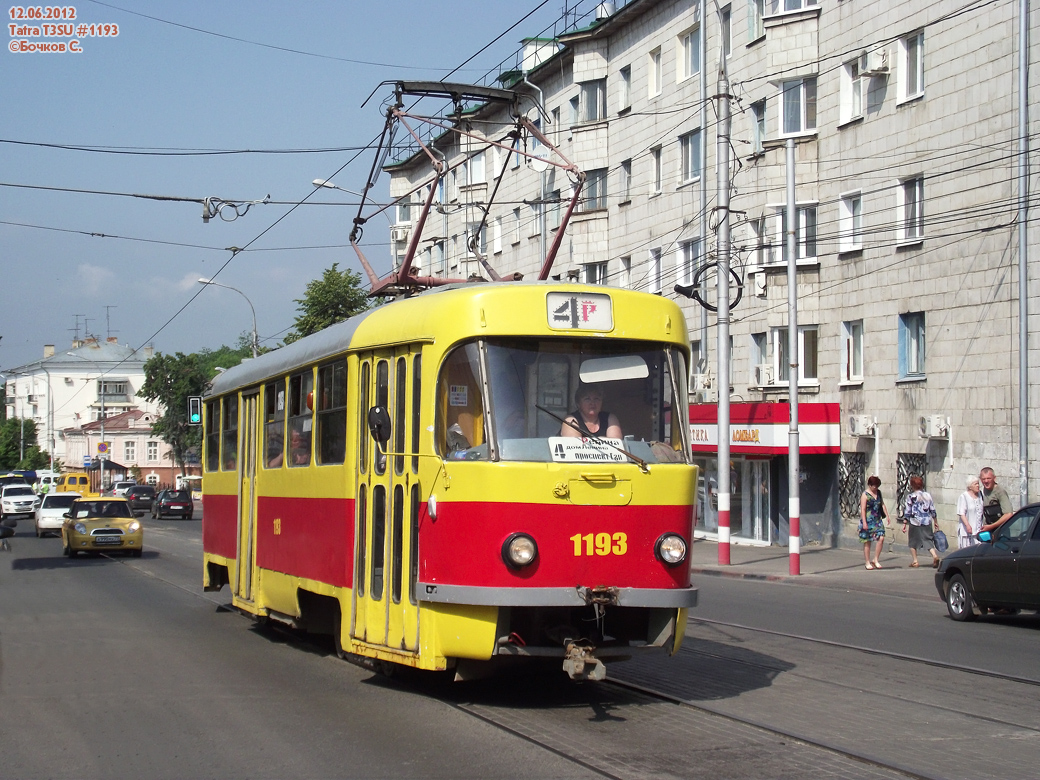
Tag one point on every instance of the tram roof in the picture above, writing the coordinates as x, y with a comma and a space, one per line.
343, 336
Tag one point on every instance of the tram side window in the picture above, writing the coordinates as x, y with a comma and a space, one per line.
332, 412
460, 423
382, 399
229, 435
274, 424
213, 436
301, 401
363, 418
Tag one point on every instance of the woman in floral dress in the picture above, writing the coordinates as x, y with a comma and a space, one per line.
873, 517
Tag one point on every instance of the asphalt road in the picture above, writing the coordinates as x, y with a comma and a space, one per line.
124, 668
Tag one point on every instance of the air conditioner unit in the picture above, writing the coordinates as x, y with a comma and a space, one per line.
399, 235
874, 63
763, 374
30, 399
932, 426
861, 425
705, 397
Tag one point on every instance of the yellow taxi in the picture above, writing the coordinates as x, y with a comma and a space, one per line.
97, 525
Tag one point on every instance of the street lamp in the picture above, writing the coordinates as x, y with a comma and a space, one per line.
256, 340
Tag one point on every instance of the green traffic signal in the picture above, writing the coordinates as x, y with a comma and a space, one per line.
194, 410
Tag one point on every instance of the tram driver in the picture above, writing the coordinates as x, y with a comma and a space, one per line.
590, 417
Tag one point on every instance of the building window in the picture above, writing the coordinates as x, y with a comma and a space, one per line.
553, 216
655, 73
477, 169
690, 43
690, 149
655, 270
655, 170
595, 190
404, 212
807, 355
911, 209
625, 277
625, 88
574, 110
129, 452
798, 106
437, 259
776, 252
516, 225
761, 371
698, 362
596, 273
594, 100
852, 354
687, 257
850, 222
152, 449
911, 345
496, 236
758, 126
785, 6
557, 129
726, 29
911, 60
625, 181
756, 19
851, 100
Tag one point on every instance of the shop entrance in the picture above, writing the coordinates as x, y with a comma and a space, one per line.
750, 508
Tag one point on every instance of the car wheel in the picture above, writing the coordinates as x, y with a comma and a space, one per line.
958, 599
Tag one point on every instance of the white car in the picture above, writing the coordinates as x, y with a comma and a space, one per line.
18, 501
120, 488
51, 512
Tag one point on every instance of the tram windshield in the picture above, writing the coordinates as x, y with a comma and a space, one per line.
556, 400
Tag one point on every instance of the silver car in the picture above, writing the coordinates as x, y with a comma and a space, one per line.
51, 512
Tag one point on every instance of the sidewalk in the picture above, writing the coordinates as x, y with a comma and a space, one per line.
826, 567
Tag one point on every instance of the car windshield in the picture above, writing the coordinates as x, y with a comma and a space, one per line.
83, 509
18, 490
58, 500
624, 392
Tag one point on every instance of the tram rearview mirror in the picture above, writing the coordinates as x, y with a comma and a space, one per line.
609, 369
379, 424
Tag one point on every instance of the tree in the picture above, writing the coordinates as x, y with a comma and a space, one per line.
225, 357
18, 436
336, 296
170, 380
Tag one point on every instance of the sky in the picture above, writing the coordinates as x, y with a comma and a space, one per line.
283, 81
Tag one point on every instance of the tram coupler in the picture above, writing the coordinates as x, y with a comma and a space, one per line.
580, 664
602, 595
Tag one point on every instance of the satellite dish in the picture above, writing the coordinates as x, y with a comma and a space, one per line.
539, 162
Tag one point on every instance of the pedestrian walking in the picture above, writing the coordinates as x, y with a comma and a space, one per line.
969, 513
919, 514
873, 517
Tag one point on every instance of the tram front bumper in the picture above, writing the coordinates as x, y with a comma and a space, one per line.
654, 598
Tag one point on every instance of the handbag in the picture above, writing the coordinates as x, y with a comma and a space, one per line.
941, 544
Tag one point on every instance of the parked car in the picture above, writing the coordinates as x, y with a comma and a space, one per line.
119, 488
140, 497
1000, 573
101, 525
17, 500
50, 514
173, 502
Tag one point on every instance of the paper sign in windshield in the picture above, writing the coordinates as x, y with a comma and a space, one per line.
566, 449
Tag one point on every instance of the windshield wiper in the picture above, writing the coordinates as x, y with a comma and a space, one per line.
643, 465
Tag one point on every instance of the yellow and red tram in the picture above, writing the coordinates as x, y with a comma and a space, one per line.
407, 481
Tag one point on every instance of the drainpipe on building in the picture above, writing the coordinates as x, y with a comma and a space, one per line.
1023, 250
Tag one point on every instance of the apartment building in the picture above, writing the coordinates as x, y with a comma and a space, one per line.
904, 118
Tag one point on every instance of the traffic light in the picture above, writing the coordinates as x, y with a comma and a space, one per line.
194, 410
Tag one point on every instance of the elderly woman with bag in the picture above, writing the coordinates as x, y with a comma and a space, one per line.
919, 514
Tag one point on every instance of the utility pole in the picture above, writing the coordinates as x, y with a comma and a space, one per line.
722, 300
794, 511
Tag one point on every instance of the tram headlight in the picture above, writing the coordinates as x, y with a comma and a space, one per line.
670, 549
519, 550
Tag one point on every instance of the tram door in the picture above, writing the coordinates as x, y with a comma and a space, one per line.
385, 610
245, 570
